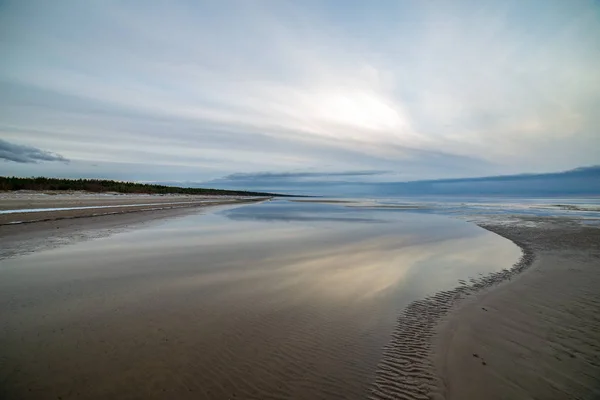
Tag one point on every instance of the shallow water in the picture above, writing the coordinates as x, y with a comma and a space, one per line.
475, 206
273, 300
36, 210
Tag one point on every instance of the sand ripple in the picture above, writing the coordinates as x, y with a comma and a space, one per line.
406, 370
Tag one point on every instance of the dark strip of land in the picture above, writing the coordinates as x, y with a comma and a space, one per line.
101, 185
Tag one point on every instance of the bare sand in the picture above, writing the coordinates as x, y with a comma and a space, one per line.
46, 199
84, 204
22, 233
531, 332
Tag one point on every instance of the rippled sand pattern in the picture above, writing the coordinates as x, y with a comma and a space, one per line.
406, 370
537, 335
258, 304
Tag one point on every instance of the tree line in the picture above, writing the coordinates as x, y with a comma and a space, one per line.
102, 185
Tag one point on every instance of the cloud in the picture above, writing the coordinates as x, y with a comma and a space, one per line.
577, 182
288, 176
26, 154
207, 89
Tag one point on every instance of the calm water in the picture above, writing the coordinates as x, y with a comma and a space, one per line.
571, 207
274, 300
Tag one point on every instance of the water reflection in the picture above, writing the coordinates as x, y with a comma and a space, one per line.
282, 210
279, 299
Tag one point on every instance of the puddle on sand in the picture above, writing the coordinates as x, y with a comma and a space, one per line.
272, 300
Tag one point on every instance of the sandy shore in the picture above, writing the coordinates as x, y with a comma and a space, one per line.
27, 232
220, 305
531, 332
528, 332
37, 199
82, 204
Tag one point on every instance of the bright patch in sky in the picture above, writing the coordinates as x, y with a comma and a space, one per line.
359, 110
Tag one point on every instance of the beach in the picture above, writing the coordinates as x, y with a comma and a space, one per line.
536, 335
528, 332
288, 200
52, 219
32, 206
287, 300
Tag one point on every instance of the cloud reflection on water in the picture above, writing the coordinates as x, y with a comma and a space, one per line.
262, 301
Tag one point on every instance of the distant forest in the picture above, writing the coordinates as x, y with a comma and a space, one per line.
96, 185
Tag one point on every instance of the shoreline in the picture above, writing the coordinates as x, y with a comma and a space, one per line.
18, 207
526, 331
46, 230
241, 308
444, 345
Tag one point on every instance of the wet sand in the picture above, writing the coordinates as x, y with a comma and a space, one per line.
84, 204
531, 332
274, 301
22, 233
19, 239
58, 198
269, 301
537, 336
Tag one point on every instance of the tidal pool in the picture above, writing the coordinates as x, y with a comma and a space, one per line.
267, 301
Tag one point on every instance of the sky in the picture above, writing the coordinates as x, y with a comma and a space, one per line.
360, 91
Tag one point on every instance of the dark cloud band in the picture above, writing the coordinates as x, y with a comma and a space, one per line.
296, 175
26, 154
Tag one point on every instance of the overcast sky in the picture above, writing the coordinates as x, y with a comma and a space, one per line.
370, 90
